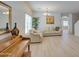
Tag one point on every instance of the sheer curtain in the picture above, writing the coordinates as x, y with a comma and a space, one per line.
28, 23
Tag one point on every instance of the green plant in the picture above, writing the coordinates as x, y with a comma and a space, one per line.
35, 22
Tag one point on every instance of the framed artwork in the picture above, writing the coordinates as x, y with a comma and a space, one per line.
49, 19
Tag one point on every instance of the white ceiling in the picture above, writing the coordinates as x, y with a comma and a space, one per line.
55, 6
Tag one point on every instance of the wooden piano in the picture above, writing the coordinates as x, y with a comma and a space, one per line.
15, 47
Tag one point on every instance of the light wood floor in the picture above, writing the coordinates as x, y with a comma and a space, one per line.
57, 46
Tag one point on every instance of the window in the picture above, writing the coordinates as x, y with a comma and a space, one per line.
65, 23
28, 23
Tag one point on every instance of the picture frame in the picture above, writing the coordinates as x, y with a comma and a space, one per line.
49, 19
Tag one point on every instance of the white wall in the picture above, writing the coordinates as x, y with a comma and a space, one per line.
75, 21
75, 18
18, 14
76, 28
42, 20
70, 23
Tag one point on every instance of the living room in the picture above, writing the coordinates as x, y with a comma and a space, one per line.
52, 26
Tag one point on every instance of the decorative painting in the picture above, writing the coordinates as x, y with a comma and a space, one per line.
50, 20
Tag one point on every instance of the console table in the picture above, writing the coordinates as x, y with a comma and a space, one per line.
16, 47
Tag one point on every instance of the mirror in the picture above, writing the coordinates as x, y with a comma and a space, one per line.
5, 17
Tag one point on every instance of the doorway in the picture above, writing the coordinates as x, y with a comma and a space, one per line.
65, 25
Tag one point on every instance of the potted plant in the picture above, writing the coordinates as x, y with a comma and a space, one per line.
35, 22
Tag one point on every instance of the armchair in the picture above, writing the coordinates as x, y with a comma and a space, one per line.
36, 36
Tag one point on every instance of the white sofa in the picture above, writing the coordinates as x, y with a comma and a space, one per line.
36, 36
52, 33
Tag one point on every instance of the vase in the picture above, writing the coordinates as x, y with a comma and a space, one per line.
15, 30
7, 27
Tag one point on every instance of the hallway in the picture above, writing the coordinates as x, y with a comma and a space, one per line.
57, 46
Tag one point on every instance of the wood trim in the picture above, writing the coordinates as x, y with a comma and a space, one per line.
10, 13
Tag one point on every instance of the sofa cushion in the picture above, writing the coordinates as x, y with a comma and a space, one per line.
52, 32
